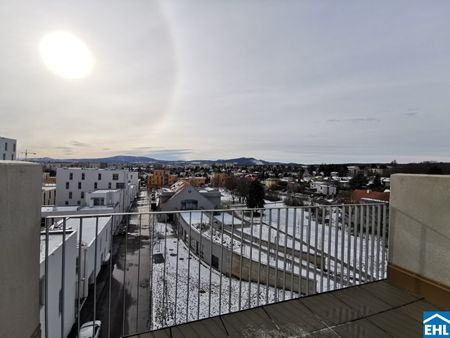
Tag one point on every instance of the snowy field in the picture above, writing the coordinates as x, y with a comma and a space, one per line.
198, 291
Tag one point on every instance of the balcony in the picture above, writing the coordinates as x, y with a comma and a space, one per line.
170, 268
344, 270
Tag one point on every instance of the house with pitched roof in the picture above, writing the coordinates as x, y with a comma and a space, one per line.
184, 196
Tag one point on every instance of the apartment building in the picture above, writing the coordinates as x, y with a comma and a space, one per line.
159, 179
73, 184
7, 149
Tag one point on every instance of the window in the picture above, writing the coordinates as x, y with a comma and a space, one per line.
215, 261
70, 194
79, 185
71, 176
115, 177
14, 147
42, 291
99, 177
189, 204
12, 157
83, 176
60, 301
78, 202
120, 185
109, 185
95, 185
66, 202
6, 146
82, 194
99, 201
67, 185
4, 157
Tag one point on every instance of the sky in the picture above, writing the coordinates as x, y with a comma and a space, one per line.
295, 81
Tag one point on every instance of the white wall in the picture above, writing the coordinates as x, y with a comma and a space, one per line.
91, 178
20, 207
48, 196
7, 149
420, 225
87, 261
55, 286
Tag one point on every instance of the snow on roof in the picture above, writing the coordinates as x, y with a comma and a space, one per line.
59, 208
54, 242
103, 191
87, 228
97, 207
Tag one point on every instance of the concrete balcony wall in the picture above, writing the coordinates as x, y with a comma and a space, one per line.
242, 267
20, 209
419, 256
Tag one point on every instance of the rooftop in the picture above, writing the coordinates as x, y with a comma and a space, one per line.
376, 309
55, 239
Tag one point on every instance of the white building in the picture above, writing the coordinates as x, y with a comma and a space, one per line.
72, 185
48, 194
7, 149
55, 290
96, 202
88, 270
324, 188
90, 264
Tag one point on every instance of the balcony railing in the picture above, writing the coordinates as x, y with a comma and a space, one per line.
165, 268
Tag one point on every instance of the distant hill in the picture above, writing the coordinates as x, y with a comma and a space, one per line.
120, 159
127, 159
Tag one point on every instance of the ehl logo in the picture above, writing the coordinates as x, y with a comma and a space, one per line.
436, 324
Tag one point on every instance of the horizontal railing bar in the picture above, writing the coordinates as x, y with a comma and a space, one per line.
205, 211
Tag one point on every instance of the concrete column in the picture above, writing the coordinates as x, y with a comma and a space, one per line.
20, 203
419, 237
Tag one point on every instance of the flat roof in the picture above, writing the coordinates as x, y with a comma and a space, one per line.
55, 208
88, 227
55, 239
103, 191
7, 138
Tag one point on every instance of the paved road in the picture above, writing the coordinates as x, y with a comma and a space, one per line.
130, 286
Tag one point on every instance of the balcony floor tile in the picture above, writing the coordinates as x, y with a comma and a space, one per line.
375, 310
212, 327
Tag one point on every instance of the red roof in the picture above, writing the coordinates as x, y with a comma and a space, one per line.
363, 193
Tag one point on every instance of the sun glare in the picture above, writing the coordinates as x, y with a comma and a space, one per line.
66, 55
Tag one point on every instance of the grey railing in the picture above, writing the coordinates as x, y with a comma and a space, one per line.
167, 268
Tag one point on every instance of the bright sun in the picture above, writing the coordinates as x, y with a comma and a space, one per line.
66, 55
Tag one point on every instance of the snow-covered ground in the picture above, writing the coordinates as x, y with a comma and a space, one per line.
348, 257
188, 289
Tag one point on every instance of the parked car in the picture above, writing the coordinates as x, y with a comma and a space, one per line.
90, 329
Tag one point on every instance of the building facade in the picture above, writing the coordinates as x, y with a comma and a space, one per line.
49, 194
7, 149
73, 185
55, 296
184, 196
159, 179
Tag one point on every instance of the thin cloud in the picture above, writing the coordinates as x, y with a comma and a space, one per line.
412, 114
355, 120
79, 144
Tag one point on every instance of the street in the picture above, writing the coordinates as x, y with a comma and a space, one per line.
130, 268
